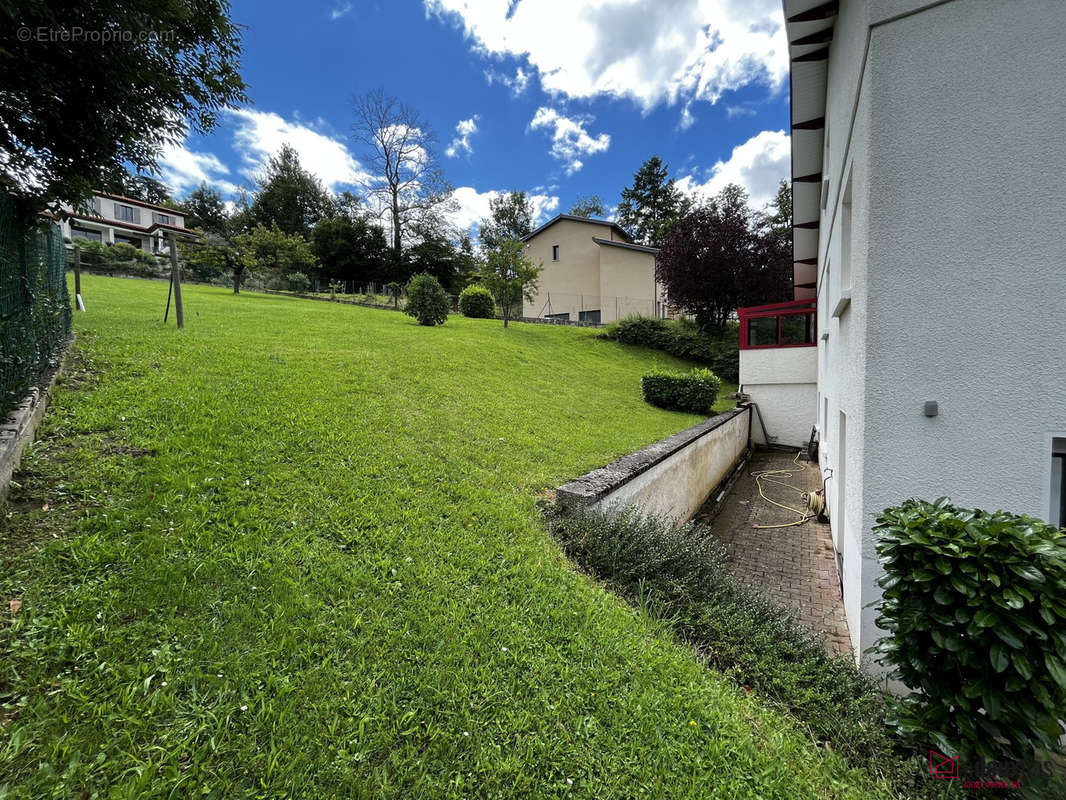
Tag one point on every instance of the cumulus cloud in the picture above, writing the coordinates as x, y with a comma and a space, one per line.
260, 134
669, 51
473, 206
758, 165
463, 131
340, 11
570, 137
183, 170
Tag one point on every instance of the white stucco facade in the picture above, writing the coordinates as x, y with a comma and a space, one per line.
941, 270
782, 382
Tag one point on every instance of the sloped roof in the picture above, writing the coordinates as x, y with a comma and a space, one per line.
573, 218
626, 245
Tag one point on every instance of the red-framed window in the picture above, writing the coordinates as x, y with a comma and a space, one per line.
790, 324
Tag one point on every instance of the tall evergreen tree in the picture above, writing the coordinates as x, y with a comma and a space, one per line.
205, 209
652, 204
289, 196
510, 217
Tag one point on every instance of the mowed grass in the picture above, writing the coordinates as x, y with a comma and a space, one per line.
294, 551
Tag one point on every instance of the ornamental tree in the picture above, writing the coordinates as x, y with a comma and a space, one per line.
510, 276
718, 258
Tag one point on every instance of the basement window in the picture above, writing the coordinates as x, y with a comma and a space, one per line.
555, 252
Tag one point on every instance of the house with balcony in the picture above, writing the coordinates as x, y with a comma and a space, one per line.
925, 349
114, 219
593, 272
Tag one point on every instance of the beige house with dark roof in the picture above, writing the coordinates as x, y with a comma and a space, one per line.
593, 272
113, 219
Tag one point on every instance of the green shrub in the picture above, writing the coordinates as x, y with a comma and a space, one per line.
298, 282
639, 330
426, 300
476, 301
680, 574
682, 338
975, 607
694, 391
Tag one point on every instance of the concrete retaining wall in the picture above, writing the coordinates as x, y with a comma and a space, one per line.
671, 478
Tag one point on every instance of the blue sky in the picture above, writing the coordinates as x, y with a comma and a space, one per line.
558, 97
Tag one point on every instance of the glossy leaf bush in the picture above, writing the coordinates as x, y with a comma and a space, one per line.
975, 607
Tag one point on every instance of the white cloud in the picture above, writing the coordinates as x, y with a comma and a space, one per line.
463, 131
517, 84
340, 11
183, 170
474, 206
758, 165
570, 138
260, 134
650, 52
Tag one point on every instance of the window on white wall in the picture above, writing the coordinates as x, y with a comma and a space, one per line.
1058, 483
845, 238
555, 252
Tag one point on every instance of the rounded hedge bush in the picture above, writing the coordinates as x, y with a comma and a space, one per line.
476, 301
974, 603
694, 391
427, 301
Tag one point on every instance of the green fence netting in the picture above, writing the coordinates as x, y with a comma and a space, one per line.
35, 312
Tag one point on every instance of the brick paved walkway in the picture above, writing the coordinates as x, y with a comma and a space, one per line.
794, 566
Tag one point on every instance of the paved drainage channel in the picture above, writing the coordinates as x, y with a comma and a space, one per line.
795, 565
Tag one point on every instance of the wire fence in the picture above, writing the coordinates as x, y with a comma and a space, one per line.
35, 313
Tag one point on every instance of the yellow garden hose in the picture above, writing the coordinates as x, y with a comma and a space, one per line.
778, 476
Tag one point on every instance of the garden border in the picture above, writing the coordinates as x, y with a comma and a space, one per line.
18, 426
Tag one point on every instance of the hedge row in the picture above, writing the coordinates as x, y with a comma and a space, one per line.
683, 339
694, 391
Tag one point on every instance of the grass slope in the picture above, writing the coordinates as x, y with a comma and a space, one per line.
293, 551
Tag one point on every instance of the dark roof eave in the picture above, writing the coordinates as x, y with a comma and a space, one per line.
573, 218
626, 245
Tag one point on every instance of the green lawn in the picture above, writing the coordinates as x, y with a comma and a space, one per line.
293, 551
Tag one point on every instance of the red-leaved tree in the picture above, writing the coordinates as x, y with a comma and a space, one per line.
723, 256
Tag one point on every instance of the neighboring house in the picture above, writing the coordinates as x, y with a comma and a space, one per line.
927, 154
112, 218
593, 272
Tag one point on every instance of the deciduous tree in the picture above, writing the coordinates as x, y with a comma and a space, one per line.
405, 181
74, 110
510, 217
511, 277
716, 259
589, 206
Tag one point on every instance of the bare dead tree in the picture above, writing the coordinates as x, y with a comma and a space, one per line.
405, 181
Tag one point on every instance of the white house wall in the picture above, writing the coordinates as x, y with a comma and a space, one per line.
842, 343
782, 382
958, 279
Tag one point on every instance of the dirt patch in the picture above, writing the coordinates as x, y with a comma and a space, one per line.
113, 447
